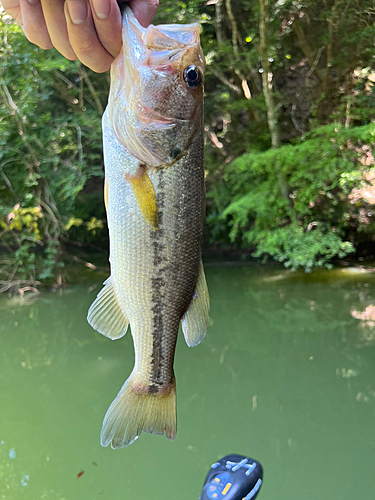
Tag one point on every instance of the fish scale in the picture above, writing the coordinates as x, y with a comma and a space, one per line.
155, 218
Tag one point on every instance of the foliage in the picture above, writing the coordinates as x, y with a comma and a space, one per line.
50, 145
322, 171
303, 203
295, 247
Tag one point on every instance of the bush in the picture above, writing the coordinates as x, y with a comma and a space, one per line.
320, 219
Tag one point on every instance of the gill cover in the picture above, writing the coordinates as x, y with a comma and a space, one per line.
153, 111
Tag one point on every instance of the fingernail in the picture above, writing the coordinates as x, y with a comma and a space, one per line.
101, 8
33, 2
77, 11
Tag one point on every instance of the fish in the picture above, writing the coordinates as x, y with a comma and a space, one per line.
154, 195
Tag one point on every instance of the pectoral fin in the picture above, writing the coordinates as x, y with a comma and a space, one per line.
145, 195
196, 319
105, 315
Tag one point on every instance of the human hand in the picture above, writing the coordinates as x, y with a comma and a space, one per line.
88, 30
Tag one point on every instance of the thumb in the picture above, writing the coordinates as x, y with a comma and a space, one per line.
144, 10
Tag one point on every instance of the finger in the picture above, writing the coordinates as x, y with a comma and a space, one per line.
34, 25
107, 20
53, 11
144, 10
12, 7
83, 36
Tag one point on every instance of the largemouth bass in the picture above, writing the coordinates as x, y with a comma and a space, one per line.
155, 201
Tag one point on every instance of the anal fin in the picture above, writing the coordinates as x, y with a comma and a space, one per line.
196, 319
105, 315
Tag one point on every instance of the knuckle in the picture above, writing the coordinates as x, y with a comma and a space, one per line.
63, 46
46, 45
35, 36
98, 67
43, 43
68, 54
85, 48
112, 45
71, 58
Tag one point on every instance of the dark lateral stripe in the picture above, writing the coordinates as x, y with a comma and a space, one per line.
158, 289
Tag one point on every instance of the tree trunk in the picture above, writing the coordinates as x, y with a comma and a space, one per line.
219, 21
268, 97
267, 77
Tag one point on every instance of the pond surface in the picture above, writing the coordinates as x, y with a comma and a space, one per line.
286, 375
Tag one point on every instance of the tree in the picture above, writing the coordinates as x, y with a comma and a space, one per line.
289, 136
50, 145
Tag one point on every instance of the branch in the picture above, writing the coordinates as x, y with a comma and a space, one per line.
294, 120
228, 5
92, 90
6, 180
14, 111
74, 87
305, 48
79, 244
220, 76
315, 63
64, 94
80, 88
89, 264
79, 144
34, 240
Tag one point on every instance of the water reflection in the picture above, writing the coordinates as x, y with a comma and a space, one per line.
367, 322
10, 476
285, 374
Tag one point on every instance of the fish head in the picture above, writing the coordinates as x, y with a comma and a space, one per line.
156, 98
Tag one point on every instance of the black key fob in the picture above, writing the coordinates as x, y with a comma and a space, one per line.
234, 477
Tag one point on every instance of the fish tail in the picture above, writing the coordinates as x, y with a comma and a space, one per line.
137, 408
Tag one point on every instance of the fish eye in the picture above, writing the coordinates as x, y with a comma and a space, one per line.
192, 76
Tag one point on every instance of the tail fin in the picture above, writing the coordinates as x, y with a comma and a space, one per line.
131, 413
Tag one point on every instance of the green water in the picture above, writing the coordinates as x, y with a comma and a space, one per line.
286, 374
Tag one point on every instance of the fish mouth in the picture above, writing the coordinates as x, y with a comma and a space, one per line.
160, 46
148, 116
167, 37
163, 60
